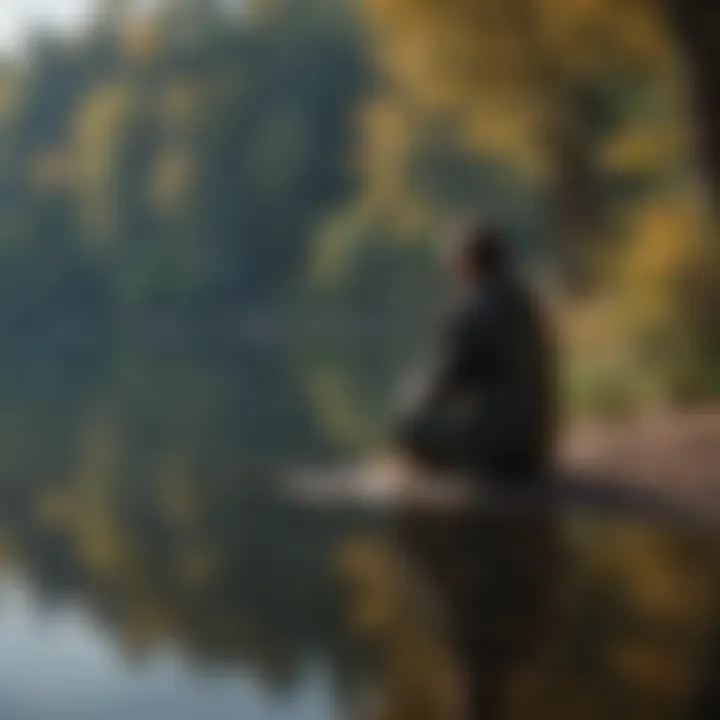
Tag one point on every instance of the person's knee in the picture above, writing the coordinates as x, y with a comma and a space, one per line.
426, 440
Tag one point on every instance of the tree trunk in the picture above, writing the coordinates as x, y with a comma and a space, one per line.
696, 24
572, 192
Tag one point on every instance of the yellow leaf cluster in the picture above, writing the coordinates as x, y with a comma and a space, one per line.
140, 41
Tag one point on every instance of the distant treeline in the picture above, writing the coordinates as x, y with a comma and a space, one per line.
145, 166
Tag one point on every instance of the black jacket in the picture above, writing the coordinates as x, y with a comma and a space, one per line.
495, 381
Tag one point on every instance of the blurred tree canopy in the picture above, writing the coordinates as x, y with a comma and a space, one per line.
178, 160
602, 110
271, 160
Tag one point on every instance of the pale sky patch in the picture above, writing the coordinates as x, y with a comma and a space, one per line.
19, 17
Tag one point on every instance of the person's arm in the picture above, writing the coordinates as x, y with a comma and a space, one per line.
454, 362
417, 431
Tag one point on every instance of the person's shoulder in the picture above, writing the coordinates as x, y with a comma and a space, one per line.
530, 310
519, 291
469, 313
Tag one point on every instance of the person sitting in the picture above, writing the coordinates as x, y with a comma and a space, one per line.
488, 410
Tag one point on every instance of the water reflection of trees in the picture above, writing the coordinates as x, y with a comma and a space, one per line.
249, 582
580, 619
135, 485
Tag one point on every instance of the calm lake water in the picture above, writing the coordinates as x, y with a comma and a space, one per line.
62, 662
147, 574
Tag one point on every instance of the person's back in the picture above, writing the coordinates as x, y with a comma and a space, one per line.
490, 407
514, 389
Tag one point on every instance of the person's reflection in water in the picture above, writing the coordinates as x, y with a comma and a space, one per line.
492, 577
459, 612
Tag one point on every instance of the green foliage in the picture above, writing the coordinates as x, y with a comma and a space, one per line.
143, 169
275, 165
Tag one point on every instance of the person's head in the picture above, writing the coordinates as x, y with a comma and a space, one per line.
478, 252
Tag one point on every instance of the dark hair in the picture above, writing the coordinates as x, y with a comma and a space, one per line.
486, 249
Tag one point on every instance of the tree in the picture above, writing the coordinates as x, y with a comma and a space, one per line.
694, 26
538, 82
